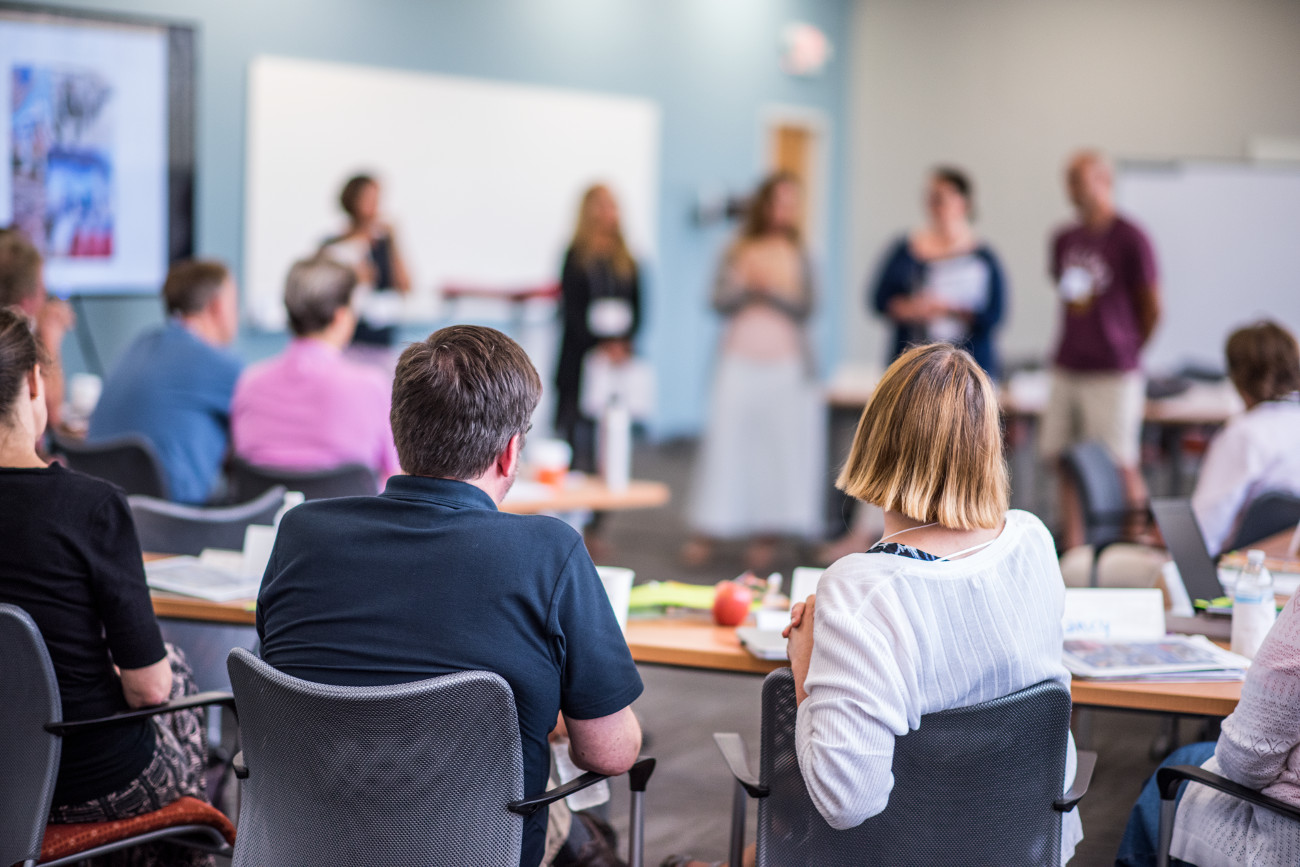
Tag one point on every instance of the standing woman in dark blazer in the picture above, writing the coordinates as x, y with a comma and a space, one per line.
600, 309
71, 560
942, 283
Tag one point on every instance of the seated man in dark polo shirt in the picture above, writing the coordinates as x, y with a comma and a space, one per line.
429, 578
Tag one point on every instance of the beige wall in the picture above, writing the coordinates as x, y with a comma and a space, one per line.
1006, 88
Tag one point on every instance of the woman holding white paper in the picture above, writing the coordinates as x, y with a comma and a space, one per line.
941, 282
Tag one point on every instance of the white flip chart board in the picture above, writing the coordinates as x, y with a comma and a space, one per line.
480, 179
1227, 240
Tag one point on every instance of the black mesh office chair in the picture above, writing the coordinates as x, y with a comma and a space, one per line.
31, 730
1102, 498
350, 480
1269, 513
172, 528
421, 773
1169, 780
974, 785
130, 462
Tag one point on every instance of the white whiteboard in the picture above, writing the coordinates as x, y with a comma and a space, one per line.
481, 180
1227, 242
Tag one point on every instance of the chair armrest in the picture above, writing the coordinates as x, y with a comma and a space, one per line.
238, 765
528, 806
1169, 779
737, 759
202, 699
638, 776
1087, 761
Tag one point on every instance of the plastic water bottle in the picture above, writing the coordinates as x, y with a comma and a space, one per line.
1253, 606
616, 445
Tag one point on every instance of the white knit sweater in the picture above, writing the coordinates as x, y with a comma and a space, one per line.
896, 638
1259, 747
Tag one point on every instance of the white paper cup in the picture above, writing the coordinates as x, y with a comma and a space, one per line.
83, 393
618, 584
550, 459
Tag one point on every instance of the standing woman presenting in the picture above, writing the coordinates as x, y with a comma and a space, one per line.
762, 458
370, 249
941, 283
600, 308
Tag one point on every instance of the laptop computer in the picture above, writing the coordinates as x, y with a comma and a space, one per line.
1186, 544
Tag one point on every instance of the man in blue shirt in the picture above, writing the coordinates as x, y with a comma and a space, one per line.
429, 578
174, 384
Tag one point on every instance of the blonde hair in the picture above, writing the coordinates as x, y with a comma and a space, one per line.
929, 443
585, 245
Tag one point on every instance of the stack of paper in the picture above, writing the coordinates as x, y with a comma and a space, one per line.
1120, 635
208, 578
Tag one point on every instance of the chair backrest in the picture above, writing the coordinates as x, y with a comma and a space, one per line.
972, 785
29, 755
413, 774
130, 462
1269, 513
349, 480
1101, 491
172, 528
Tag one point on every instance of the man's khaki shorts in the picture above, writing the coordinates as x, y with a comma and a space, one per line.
1106, 407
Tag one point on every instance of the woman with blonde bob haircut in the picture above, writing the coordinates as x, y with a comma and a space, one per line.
959, 603
929, 445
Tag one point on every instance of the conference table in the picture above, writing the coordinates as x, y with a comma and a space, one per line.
584, 493
691, 640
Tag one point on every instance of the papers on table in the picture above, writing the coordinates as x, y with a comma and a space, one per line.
1173, 657
208, 578
763, 643
1120, 635
1113, 615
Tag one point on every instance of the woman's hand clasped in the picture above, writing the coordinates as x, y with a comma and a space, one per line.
799, 636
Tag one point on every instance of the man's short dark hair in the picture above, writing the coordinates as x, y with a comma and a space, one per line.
458, 398
315, 290
20, 268
192, 284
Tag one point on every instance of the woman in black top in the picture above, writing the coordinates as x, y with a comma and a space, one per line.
600, 307
71, 560
369, 248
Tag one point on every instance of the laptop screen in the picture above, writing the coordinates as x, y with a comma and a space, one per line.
1186, 544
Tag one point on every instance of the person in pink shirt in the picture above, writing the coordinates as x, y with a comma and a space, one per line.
311, 408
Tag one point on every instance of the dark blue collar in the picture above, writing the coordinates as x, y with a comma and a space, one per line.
447, 492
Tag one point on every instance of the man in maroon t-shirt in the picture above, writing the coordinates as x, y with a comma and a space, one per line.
1105, 272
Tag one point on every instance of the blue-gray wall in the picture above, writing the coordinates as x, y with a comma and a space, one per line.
712, 65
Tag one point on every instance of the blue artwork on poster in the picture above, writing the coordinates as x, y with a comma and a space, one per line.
62, 161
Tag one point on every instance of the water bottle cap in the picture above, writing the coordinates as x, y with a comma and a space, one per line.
1255, 557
